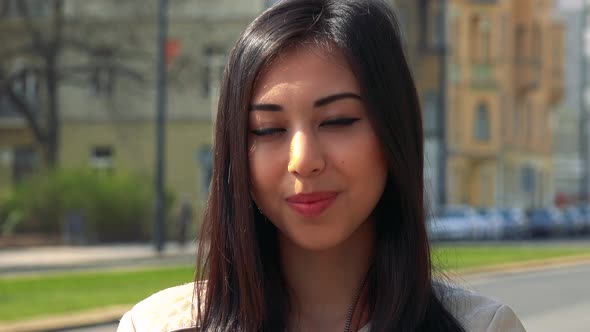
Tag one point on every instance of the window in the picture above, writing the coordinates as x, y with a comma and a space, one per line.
205, 158
101, 157
24, 162
103, 75
430, 23
474, 38
485, 55
103, 81
214, 61
527, 179
504, 38
436, 21
35, 8
519, 42
482, 123
480, 39
430, 108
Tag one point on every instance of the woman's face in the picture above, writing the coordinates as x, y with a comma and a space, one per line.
316, 165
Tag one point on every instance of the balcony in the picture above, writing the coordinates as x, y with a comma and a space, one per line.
526, 76
483, 75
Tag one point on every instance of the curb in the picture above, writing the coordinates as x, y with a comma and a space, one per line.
65, 321
526, 266
114, 313
97, 265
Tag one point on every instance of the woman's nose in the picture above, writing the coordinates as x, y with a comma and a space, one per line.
306, 157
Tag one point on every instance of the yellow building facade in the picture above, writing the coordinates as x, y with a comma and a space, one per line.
502, 76
505, 69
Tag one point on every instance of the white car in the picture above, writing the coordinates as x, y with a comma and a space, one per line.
456, 223
493, 225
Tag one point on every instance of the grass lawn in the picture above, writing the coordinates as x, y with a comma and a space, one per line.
37, 296
446, 257
27, 297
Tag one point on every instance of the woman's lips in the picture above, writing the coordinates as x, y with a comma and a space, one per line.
312, 204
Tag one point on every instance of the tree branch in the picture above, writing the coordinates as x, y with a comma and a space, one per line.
38, 43
119, 70
7, 82
23, 108
58, 25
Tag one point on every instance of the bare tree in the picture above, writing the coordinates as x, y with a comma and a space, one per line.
40, 46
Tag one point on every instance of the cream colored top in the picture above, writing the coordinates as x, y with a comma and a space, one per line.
171, 310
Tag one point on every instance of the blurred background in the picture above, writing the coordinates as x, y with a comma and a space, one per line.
107, 111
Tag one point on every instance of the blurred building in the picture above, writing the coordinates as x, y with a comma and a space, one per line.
537, 88
107, 96
19, 155
421, 22
489, 74
568, 174
495, 69
110, 123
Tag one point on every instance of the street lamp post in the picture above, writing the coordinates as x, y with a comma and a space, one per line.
442, 109
583, 123
160, 201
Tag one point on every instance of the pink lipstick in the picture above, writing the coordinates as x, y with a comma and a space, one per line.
311, 204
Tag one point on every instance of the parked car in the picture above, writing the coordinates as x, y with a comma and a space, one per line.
515, 223
585, 212
455, 223
493, 225
574, 221
545, 221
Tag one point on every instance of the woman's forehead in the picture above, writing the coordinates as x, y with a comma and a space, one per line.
305, 68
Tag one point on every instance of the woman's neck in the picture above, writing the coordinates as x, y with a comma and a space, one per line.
322, 284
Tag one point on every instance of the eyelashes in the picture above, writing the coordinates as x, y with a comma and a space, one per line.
338, 122
267, 131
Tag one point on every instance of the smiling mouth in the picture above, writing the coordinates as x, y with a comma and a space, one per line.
312, 204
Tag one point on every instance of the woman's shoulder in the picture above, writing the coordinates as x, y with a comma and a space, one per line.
477, 312
165, 311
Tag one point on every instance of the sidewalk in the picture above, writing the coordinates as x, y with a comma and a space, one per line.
47, 259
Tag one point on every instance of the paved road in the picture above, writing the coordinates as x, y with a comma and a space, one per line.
102, 328
549, 300
51, 259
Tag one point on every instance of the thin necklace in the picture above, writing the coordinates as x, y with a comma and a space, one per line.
354, 302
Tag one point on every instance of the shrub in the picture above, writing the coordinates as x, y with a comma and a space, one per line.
85, 205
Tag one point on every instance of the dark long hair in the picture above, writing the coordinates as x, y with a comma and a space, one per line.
245, 290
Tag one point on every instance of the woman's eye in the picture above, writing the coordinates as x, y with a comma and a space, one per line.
339, 122
267, 131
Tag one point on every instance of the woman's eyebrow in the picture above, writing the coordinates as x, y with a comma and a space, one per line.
265, 107
330, 99
318, 103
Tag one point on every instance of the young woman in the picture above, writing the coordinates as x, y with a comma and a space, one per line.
315, 221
